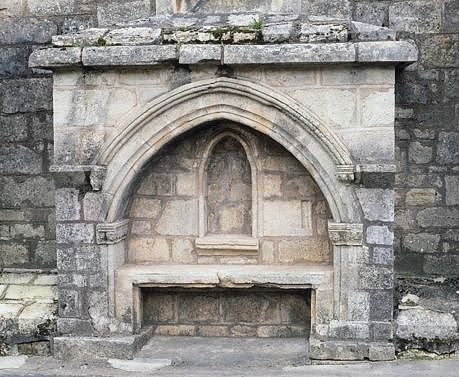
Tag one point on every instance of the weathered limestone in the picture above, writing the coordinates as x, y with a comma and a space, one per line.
128, 56
28, 308
368, 32
84, 348
230, 313
426, 134
87, 37
132, 36
234, 217
56, 57
425, 324
291, 53
389, 51
318, 44
194, 54
203, 178
323, 33
305, 53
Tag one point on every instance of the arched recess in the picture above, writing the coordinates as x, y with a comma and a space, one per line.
143, 133
248, 148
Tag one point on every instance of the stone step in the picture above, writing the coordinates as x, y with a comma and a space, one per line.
186, 351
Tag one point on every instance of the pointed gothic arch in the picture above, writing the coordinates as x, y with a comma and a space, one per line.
143, 133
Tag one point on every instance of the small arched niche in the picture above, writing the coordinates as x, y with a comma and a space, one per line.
228, 196
177, 209
228, 188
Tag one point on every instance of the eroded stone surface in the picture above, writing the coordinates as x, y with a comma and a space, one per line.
292, 209
223, 313
420, 323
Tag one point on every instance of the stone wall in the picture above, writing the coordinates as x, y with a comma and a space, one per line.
427, 139
229, 189
234, 312
28, 309
164, 210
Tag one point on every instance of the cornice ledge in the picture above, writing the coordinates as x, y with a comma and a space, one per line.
372, 52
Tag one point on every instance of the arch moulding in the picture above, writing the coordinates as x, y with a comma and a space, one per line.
143, 133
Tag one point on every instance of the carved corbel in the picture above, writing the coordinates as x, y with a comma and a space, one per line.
345, 173
110, 233
345, 234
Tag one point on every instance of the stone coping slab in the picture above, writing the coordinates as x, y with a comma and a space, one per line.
387, 52
228, 276
226, 29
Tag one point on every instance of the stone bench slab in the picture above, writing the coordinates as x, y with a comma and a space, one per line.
224, 275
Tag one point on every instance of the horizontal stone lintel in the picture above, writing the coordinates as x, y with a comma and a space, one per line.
388, 52
226, 276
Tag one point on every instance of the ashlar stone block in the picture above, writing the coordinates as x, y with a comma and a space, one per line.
287, 218
377, 204
87, 37
75, 232
132, 36
418, 16
377, 107
452, 190
26, 30
438, 217
324, 10
94, 206
179, 217
113, 12
67, 204
149, 250
128, 55
45, 8
428, 324
35, 315
359, 306
194, 54
422, 197
51, 57
277, 33
200, 308
380, 235
367, 32
182, 251
323, 33
141, 227
301, 251
145, 208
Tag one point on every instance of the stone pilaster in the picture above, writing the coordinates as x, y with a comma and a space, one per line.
351, 333
80, 262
